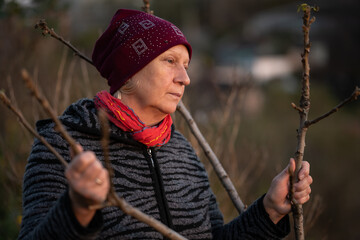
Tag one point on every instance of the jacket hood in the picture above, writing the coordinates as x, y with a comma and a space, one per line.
82, 116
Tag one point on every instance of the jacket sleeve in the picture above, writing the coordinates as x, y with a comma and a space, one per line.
254, 223
47, 211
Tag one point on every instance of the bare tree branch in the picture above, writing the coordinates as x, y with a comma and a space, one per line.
46, 30
146, 7
49, 110
26, 124
221, 173
104, 123
142, 217
297, 108
59, 80
351, 98
303, 113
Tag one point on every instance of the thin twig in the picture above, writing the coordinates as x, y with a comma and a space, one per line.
146, 7
121, 203
232, 97
351, 98
46, 30
303, 110
304, 122
49, 110
136, 213
85, 73
59, 80
297, 108
221, 173
104, 123
25, 123
67, 84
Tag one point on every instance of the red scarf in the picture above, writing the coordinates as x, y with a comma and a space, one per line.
126, 119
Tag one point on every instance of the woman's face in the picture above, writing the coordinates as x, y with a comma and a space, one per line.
161, 85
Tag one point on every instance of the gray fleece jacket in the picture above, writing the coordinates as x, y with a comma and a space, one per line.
169, 183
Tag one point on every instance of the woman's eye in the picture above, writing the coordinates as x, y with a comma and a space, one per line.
170, 60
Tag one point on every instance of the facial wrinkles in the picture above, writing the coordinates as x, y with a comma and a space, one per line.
158, 82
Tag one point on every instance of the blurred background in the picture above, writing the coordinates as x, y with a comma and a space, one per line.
245, 72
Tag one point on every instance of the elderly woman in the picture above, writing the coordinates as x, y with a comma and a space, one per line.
144, 58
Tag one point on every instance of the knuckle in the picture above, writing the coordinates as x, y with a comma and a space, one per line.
88, 156
310, 180
97, 164
106, 173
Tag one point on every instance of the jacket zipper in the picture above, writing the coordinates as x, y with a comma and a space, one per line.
160, 191
151, 159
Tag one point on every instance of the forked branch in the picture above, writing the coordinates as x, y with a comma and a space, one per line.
303, 110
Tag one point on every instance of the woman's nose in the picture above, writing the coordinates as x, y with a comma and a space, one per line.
182, 76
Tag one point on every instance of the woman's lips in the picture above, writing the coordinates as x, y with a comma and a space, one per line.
176, 94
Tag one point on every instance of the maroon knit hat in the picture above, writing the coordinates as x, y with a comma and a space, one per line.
132, 40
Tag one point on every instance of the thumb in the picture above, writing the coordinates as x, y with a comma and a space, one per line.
291, 167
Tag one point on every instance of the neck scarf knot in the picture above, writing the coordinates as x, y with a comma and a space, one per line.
125, 118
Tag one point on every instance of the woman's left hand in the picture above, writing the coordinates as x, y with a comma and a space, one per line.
276, 200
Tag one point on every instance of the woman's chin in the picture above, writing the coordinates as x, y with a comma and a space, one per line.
169, 109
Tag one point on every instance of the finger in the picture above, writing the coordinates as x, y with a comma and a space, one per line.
92, 184
303, 184
291, 166
104, 178
99, 190
303, 199
104, 187
80, 149
304, 171
79, 164
92, 171
302, 194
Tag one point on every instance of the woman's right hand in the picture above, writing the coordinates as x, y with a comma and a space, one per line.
88, 185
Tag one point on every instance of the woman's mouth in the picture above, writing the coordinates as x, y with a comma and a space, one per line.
178, 95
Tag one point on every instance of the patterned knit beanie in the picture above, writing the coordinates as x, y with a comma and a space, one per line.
132, 40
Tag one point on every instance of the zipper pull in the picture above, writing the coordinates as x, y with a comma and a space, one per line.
150, 155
